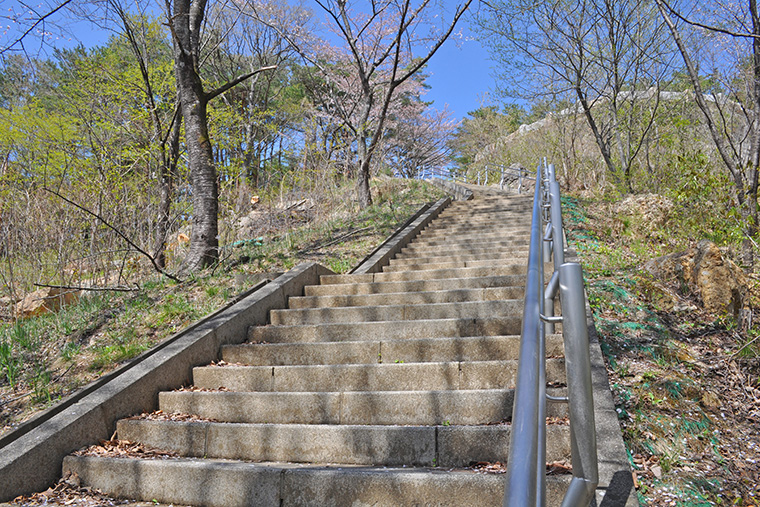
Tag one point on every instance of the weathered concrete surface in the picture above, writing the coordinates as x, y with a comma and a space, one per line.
483, 406
446, 446
473, 348
230, 484
429, 376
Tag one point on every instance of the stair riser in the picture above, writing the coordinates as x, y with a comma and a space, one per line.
465, 237
475, 228
457, 247
497, 256
486, 209
473, 309
462, 247
230, 484
457, 212
445, 446
478, 348
415, 286
515, 257
469, 236
491, 220
369, 377
433, 274
408, 298
388, 330
394, 407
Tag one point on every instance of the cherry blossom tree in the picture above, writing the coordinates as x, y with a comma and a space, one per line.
418, 138
383, 45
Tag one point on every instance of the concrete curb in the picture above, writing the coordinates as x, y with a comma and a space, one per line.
382, 255
459, 192
31, 457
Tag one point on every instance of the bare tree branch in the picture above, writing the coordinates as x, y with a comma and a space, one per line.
38, 21
118, 232
711, 28
230, 84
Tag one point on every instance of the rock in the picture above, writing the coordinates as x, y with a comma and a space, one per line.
47, 299
719, 283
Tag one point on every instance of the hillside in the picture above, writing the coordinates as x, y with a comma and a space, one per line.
47, 357
684, 377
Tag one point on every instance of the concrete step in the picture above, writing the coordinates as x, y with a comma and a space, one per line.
471, 309
476, 227
482, 406
489, 207
441, 251
493, 221
347, 288
433, 376
466, 235
444, 446
511, 258
464, 246
431, 274
495, 255
224, 483
408, 298
471, 348
389, 330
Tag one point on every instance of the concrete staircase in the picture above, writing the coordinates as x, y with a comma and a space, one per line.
371, 389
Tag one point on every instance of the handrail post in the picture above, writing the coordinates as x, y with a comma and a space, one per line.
519, 180
579, 387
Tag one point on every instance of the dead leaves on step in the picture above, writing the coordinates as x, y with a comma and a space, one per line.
69, 491
116, 448
160, 415
194, 389
497, 467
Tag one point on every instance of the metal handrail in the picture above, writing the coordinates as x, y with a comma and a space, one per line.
482, 175
526, 471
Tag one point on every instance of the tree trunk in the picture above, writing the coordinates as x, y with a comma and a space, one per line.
363, 193
204, 238
604, 146
362, 186
186, 23
168, 170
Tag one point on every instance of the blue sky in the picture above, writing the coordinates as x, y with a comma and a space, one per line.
460, 74
460, 77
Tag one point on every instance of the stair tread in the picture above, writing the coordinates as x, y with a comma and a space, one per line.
186, 481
